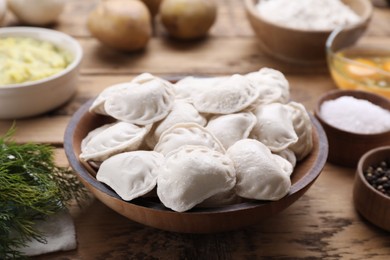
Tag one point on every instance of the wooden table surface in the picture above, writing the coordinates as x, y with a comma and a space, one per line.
323, 224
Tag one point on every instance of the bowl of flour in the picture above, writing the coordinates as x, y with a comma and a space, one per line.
296, 30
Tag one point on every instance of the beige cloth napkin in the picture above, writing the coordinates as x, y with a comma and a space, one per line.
59, 232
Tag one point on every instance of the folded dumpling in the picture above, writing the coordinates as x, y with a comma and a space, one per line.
260, 174
303, 128
223, 198
144, 77
98, 104
192, 174
289, 155
94, 133
272, 84
131, 174
228, 129
274, 126
187, 134
115, 138
227, 96
189, 86
142, 103
182, 112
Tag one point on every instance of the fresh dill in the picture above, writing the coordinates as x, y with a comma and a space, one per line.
32, 188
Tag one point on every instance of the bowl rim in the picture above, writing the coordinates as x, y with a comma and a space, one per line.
77, 52
345, 92
332, 54
250, 6
360, 169
84, 174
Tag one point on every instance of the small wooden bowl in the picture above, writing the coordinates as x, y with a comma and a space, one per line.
370, 203
302, 46
346, 148
151, 212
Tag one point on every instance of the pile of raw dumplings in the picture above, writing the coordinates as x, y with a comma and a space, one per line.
201, 141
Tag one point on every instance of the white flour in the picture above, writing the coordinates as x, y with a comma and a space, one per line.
307, 14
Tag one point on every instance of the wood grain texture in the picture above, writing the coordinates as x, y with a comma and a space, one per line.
322, 224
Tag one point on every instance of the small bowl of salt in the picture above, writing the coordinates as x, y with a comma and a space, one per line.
355, 122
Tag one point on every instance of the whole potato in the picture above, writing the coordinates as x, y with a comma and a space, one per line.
121, 24
188, 19
153, 6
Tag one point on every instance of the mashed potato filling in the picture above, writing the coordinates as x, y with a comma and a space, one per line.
25, 59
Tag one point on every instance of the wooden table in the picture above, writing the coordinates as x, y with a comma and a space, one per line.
322, 224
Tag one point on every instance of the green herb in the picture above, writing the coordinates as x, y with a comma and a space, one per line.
32, 188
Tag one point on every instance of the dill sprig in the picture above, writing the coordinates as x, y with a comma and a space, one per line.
32, 188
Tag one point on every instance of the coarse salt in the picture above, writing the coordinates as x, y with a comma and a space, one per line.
307, 14
355, 115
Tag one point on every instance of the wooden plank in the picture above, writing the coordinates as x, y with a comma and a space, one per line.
213, 56
323, 224
47, 129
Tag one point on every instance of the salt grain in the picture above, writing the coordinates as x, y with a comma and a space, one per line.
307, 14
355, 115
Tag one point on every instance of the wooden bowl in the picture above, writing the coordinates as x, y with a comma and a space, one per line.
370, 203
151, 212
346, 148
302, 46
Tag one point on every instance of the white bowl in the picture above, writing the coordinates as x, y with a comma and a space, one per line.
36, 97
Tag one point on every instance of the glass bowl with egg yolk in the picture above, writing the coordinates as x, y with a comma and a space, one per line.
362, 65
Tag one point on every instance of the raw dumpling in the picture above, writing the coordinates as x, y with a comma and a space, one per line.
192, 174
303, 128
224, 198
188, 86
117, 138
289, 155
228, 96
182, 112
141, 104
145, 77
98, 104
274, 126
187, 134
131, 174
142, 78
260, 174
273, 86
94, 133
228, 129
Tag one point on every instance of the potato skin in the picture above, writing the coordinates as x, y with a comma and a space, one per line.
153, 6
188, 19
121, 24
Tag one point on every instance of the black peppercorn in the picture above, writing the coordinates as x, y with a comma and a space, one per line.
378, 176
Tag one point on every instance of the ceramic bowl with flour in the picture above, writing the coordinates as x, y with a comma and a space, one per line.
304, 25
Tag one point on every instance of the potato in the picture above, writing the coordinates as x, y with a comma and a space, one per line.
121, 24
188, 19
153, 6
